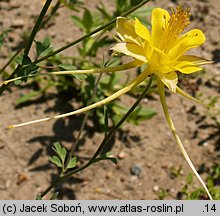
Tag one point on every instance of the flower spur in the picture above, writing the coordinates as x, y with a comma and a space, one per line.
162, 50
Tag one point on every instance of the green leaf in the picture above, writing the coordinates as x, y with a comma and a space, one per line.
189, 178
88, 44
41, 47
114, 61
104, 11
28, 96
54, 196
38, 197
72, 4
22, 59
57, 148
72, 163
120, 3
105, 120
142, 13
61, 152
106, 157
3, 35
63, 155
69, 67
195, 195
26, 70
56, 161
17, 82
47, 51
87, 20
142, 113
78, 22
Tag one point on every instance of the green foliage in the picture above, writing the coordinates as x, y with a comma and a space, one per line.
72, 163
162, 194
72, 4
43, 48
212, 182
83, 85
106, 157
88, 59
88, 51
142, 15
60, 159
27, 67
56, 161
38, 197
86, 23
22, 60
69, 67
54, 196
176, 172
27, 97
61, 152
3, 35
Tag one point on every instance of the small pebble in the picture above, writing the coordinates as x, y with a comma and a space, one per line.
156, 188
8, 184
121, 155
18, 23
135, 170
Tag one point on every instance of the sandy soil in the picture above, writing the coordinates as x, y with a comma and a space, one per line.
148, 148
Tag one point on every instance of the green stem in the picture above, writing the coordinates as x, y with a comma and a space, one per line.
104, 142
53, 184
36, 26
10, 60
30, 40
55, 8
92, 32
53, 11
83, 125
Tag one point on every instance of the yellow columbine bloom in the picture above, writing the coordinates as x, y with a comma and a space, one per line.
163, 51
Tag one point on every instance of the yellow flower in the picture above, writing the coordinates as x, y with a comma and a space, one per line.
163, 49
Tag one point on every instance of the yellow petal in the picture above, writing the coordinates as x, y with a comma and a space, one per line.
141, 30
191, 39
126, 31
187, 67
195, 59
132, 50
159, 20
148, 49
169, 79
184, 94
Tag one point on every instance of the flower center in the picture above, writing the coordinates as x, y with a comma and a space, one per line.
173, 27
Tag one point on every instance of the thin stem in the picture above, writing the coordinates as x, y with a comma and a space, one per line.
36, 26
3, 87
10, 60
129, 65
140, 78
104, 142
53, 184
53, 11
55, 8
92, 32
83, 125
30, 40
